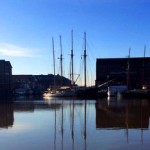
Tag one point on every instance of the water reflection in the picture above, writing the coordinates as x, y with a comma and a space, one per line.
131, 114
125, 114
7, 109
59, 124
6, 115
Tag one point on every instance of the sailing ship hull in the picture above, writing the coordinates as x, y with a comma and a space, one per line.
62, 92
90, 92
65, 94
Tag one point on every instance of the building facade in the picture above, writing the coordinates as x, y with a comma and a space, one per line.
37, 83
5, 77
133, 72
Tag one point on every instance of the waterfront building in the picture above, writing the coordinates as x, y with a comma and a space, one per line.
133, 72
5, 77
37, 83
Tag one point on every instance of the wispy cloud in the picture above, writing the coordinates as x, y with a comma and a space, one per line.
17, 51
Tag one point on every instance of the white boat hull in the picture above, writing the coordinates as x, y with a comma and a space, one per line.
58, 95
67, 93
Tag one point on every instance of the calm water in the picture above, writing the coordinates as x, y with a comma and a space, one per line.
69, 124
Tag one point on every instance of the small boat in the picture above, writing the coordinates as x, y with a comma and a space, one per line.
114, 90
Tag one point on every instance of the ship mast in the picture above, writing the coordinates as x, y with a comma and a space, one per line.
61, 58
85, 89
128, 71
143, 67
72, 67
84, 60
53, 59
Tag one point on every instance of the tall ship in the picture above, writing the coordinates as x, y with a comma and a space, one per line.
62, 91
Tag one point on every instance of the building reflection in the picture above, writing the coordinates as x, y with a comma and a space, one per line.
7, 110
6, 115
128, 114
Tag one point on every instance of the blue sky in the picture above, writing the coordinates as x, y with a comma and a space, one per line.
112, 26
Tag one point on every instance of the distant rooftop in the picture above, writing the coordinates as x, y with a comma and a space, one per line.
6, 62
124, 58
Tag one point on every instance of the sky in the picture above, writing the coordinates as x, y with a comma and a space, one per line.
111, 26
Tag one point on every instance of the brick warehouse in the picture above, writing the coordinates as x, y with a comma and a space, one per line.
134, 72
5, 77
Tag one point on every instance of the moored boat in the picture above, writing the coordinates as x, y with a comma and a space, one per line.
138, 93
